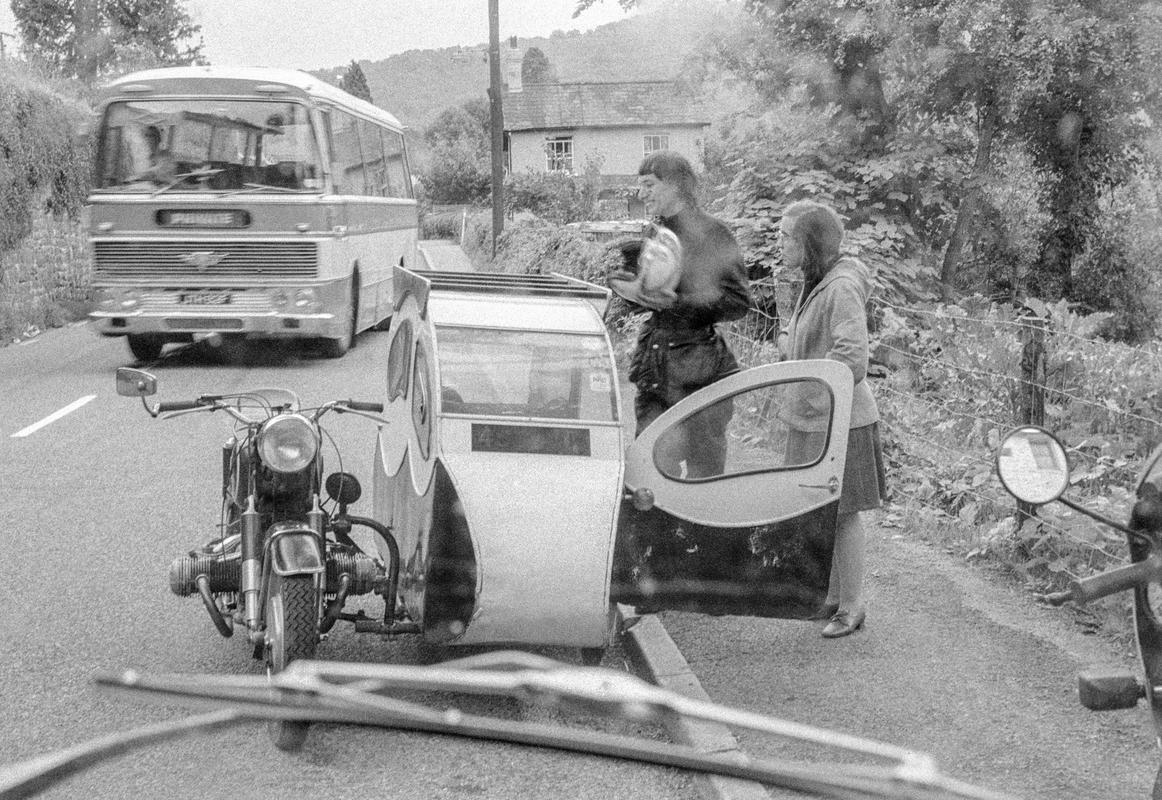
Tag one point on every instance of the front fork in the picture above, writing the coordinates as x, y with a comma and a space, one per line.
257, 558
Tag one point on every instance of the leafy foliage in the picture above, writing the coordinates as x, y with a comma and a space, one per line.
957, 385
535, 67
355, 82
41, 159
552, 196
90, 38
458, 168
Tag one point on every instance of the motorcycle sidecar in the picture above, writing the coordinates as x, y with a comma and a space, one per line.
501, 471
520, 515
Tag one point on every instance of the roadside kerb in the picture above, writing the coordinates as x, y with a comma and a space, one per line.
656, 655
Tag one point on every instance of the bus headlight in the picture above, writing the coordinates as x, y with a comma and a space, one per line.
307, 301
288, 443
278, 298
106, 299
130, 301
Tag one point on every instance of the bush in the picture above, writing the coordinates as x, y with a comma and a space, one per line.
43, 160
44, 179
553, 196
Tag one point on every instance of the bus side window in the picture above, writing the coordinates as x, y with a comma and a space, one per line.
397, 171
373, 160
349, 178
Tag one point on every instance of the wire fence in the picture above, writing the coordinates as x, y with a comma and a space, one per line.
952, 380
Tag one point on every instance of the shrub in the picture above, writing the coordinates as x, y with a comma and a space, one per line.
43, 160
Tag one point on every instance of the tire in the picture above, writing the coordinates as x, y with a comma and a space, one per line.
292, 634
337, 348
591, 656
145, 348
1157, 793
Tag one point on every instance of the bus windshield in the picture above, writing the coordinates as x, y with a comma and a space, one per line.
525, 374
241, 145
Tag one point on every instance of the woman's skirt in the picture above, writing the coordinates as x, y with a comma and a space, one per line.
864, 483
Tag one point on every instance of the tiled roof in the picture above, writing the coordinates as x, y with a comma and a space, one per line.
601, 105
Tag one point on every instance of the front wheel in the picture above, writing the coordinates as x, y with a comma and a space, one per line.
144, 347
291, 634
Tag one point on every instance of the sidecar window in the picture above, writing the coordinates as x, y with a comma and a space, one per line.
422, 402
777, 426
398, 359
516, 373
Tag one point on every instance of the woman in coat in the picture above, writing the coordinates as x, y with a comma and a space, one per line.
830, 321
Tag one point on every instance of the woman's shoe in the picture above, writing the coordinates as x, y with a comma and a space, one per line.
843, 623
826, 611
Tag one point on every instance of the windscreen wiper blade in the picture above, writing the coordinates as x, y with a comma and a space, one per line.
30, 777
355, 694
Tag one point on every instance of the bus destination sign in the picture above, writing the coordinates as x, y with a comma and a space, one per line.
202, 218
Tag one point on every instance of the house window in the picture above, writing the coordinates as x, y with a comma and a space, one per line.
653, 142
560, 154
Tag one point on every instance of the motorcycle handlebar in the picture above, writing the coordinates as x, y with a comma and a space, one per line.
357, 405
1116, 580
177, 405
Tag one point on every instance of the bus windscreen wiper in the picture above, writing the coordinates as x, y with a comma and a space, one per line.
360, 694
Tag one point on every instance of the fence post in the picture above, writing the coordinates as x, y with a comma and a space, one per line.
1032, 393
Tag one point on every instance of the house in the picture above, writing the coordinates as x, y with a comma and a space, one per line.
572, 127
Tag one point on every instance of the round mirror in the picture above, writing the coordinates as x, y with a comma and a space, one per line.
1032, 466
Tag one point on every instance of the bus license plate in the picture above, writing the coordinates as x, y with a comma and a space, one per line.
204, 299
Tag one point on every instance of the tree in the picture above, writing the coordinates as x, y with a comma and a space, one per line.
535, 67
89, 38
354, 82
470, 121
459, 168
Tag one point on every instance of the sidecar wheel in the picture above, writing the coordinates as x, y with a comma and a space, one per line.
292, 633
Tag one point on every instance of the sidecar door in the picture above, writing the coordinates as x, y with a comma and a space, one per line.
732, 494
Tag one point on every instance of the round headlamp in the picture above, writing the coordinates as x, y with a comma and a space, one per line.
288, 443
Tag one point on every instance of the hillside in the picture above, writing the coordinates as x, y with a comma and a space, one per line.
416, 85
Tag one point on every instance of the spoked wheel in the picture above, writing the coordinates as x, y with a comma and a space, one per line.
291, 634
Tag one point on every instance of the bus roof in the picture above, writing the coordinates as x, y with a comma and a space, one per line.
240, 81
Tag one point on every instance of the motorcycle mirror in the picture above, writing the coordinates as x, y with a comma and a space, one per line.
135, 382
1032, 466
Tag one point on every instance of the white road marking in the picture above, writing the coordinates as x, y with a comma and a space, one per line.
53, 417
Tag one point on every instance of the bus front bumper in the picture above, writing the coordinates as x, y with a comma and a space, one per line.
188, 313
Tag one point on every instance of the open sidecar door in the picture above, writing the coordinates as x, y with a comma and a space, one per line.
732, 494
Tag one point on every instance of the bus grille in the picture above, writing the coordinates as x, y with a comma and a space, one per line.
151, 260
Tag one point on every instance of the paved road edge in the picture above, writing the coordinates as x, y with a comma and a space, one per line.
656, 655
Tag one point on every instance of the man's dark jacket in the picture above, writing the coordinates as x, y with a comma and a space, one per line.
679, 351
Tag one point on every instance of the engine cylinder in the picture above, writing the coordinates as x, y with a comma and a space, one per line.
225, 575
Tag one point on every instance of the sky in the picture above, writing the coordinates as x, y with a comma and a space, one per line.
313, 34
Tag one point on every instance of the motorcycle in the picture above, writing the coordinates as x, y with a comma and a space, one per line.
364, 694
284, 563
1033, 467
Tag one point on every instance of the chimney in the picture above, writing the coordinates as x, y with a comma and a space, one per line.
510, 63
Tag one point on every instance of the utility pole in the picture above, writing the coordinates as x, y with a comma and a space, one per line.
495, 88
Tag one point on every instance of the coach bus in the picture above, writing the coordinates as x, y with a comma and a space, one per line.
245, 202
